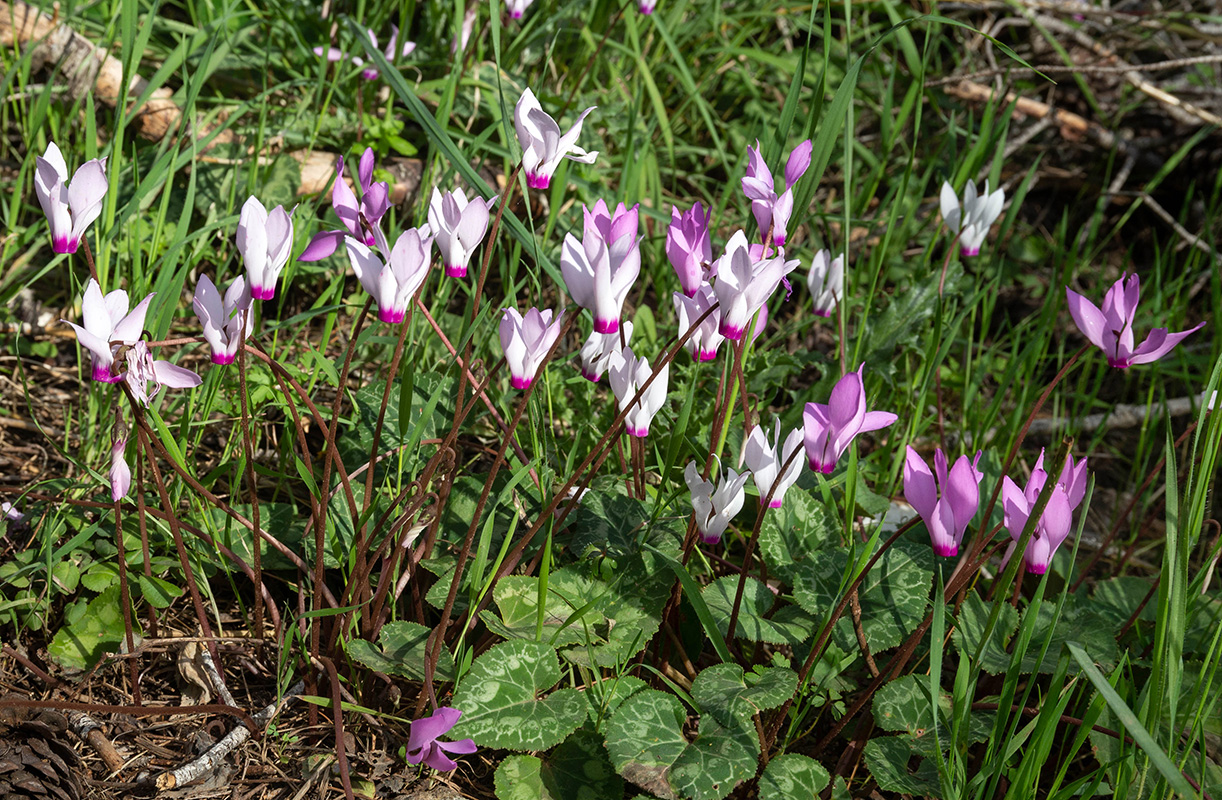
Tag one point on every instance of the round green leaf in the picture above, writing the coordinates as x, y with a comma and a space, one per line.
757, 601
790, 776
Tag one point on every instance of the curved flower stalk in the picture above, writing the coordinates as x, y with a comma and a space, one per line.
71, 206
689, 248
120, 474
830, 428
223, 317
704, 342
542, 143
361, 218
458, 226
108, 326
765, 462
597, 351
1111, 329
393, 283
265, 241
526, 341
1054, 526
744, 285
423, 746
390, 51
826, 282
948, 516
596, 279
628, 374
772, 212
517, 7
715, 507
971, 223
143, 370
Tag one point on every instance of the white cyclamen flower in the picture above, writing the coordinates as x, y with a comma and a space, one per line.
394, 283
972, 222
459, 226
542, 144
826, 282
628, 374
597, 351
765, 462
108, 326
744, 285
225, 317
714, 507
526, 340
265, 241
705, 339
142, 370
70, 206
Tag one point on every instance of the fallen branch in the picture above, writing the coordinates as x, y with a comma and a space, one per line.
211, 759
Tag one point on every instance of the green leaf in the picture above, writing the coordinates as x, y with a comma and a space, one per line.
99, 630
792, 534
157, 592
578, 768
893, 595
520, 778
500, 699
973, 618
616, 690
100, 576
887, 759
752, 623
733, 699
791, 776
517, 599
401, 650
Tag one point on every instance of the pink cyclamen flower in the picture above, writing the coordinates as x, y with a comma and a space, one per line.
1111, 330
70, 206
10, 512
743, 285
689, 248
826, 282
227, 320
542, 143
971, 222
422, 744
628, 374
370, 73
772, 212
766, 458
617, 229
946, 517
830, 428
526, 341
120, 474
715, 506
108, 326
458, 227
265, 241
1054, 526
361, 218
705, 339
647, 6
597, 351
393, 283
518, 7
596, 279
142, 370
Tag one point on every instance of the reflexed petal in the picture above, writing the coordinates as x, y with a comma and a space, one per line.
949, 203
798, 163
920, 490
1087, 316
131, 326
1159, 343
322, 245
174, 376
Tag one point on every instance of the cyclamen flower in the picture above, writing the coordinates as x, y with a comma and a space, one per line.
422, 744
1054, 526
70, 206
227, 321
618, 230
120, 474
542, 143
972, 222
714, 507
830, 428
361, 219
526, 341
765, 462
597, 279
597, 351
743, 285
393, 284
265, 242
628, 374
826, 282
517, 7
108, 325
705, 340
948, 516
1111, 330
689, 248
647, 6
142, 370
10, 512
771, 212
459, 226
370, 73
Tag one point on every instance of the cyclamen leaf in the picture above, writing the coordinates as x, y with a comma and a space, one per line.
757, 601
887, 758
792, 775
792, 534
500, 700
401, 650
577, 768
732, 698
